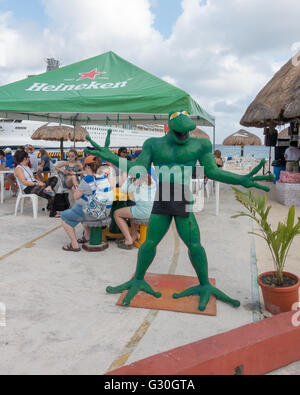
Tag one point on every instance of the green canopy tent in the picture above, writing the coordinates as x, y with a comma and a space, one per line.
105, 89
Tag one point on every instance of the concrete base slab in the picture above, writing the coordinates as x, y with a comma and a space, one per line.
99, 248
168, 285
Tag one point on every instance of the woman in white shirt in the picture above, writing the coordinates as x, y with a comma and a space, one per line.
30, 185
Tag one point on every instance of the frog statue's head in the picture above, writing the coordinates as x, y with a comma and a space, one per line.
180, 126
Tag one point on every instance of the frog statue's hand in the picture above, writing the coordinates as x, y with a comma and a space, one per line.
101, 151
249, 180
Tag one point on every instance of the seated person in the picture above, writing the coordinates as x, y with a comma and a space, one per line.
71, 218
30, 185
9, 159
33, 158
120, 175
143, 191
44, 166
71, 170
218, 157
8, 164
292, 155
2, 160
108, 171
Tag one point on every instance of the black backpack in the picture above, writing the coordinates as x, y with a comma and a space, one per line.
61, 202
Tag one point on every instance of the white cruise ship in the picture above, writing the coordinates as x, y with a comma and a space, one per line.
15, 133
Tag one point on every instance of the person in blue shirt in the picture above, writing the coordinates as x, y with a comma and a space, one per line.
2, 160
9, 159
44, 166
9, 164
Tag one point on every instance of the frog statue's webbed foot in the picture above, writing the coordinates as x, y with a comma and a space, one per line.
133, 286
205, 292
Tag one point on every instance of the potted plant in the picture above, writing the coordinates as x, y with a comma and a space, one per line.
280, 289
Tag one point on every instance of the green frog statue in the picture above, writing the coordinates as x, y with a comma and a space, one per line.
175, 156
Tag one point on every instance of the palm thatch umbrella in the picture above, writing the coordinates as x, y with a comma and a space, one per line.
279, 101
242, 138
199, 134
60, 133
284, 134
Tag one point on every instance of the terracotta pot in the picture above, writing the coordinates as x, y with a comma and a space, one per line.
279, 300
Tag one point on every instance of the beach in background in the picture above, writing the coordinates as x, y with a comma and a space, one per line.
259, 152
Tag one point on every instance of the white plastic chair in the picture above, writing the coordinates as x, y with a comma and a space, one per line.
209, 188
20, 199
198, 194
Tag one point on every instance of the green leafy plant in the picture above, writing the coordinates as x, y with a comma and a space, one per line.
280, 240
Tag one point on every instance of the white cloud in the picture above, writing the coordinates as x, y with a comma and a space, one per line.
96, 26
221, 52
170, 80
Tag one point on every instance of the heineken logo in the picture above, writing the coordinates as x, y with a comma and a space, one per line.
91, 75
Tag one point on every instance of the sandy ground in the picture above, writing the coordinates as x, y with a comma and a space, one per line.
60, 320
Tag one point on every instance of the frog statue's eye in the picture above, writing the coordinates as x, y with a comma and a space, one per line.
174, 115
185, 113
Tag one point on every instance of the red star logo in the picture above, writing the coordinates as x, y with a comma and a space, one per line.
91, 75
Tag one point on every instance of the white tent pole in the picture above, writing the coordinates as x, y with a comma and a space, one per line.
214, 138
74, 125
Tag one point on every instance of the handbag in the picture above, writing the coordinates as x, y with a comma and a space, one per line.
95, 208
99, 204
61, 202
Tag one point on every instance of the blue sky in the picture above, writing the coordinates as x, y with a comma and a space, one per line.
166, 12
28, 10
221, 52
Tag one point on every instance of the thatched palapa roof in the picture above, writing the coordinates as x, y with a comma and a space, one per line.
284, 134
242, 137
199, 134
278, 101
57, 133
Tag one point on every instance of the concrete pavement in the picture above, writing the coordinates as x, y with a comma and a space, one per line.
60, 320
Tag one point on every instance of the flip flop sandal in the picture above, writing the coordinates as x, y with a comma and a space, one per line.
82, 241
124, 246
69, 247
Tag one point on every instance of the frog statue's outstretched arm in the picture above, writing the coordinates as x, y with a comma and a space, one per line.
213, 172
139, 168
177, 148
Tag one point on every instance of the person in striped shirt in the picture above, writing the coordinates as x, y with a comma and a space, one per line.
87, 187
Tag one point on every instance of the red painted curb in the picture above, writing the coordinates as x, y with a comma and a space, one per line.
253, 349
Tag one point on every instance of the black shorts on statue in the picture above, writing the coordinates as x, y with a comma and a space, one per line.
172, 199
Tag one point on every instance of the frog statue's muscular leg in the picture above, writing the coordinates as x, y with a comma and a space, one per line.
176, 148
157, 228
189, 233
